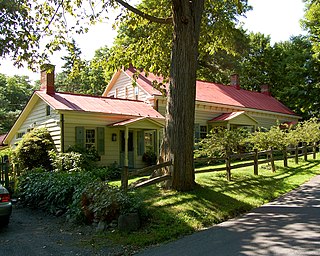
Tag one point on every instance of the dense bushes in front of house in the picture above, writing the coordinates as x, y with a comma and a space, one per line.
81, 196
68, 183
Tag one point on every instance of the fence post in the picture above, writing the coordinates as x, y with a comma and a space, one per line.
124, 178
285, 158
305, 151
5, 170
272, 161
255, 161
228, 166
296, 155
314, 149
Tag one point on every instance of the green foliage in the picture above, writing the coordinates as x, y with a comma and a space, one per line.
33, 150
14, 94
100, 201
307, 131
86, 160
53, 191
111, 172
70, 162
221, 140
275, 137
87, 77
147, 45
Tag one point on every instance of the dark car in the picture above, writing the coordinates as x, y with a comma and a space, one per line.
5, 206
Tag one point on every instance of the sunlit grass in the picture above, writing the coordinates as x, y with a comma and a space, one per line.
168, 215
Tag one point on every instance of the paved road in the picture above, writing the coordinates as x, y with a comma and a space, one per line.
288, 226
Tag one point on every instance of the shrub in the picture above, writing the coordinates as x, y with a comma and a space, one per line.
33, 150
52, 191
102, 202
70, 162
220, 140
111, 172
89, 157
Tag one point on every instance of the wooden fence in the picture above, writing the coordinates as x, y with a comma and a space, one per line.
145, 171
252, 159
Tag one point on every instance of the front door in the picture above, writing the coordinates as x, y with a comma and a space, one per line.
130, 149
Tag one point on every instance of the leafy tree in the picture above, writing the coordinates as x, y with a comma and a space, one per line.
274, 138
88, 77
187, 18
311, 23
256, 63
14, 94
220, 140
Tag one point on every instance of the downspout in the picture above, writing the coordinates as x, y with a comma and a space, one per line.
62, 132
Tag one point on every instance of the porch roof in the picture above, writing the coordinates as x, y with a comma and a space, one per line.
133, 121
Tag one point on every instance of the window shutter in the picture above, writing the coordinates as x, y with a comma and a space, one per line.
80, 136
100, 140
140, 136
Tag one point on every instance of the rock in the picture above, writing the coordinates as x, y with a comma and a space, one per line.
129, 222
102, 226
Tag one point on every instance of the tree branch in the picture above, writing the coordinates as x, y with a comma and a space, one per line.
145, 15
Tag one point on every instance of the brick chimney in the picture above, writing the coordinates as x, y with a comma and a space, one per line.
47, 78
265, 89
235, 81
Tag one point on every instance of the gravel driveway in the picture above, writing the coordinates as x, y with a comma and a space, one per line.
33, 232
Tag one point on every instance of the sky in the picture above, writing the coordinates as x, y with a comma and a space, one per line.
278, 18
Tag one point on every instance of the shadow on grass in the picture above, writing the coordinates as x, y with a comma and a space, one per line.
168, 215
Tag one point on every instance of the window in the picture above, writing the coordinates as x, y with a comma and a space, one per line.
136, 92
90, 138
203, 131
20, 135
48, 110
127, 92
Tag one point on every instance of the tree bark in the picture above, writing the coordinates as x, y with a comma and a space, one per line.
179, 129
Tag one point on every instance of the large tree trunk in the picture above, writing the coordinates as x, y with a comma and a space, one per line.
179, 130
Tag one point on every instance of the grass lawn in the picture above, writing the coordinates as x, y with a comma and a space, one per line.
169, 215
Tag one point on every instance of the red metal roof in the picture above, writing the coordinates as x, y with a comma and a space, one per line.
104, 105
220, 94
230, 95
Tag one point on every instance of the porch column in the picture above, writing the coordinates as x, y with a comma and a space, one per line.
158, 143
126, 140
228, 126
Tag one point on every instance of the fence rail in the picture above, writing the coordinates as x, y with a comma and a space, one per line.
255, 161
252, 157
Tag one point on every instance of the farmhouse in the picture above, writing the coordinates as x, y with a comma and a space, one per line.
216, 104
128, 119
120, 129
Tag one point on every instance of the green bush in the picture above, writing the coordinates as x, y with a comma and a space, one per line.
102, 202
111, 172
70, 162
89, 157
33, 150
50, 190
